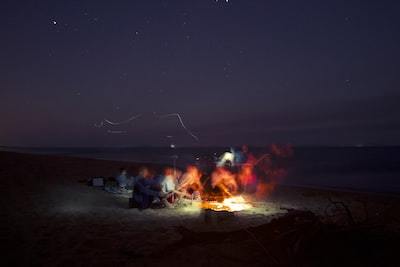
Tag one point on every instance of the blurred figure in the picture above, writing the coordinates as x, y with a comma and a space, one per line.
241, 155
224, 180
190, 185
168, 186
247, 178
246, 174
282, 151
122, 179
273, 168
124, 182
144, 192
168, 183
227, 159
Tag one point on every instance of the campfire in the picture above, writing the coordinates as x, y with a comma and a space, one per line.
234, 203
229, 181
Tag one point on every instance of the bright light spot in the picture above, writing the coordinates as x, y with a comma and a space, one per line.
236, 203
172, 146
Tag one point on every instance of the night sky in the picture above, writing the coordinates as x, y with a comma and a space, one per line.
237, 71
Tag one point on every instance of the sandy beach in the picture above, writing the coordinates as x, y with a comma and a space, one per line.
51, 217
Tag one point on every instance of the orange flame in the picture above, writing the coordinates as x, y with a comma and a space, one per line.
236, 203
224, 180
256, 175
190, 180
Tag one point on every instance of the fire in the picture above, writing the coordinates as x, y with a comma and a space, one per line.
221, 187
235, 203
225, 181
237, 173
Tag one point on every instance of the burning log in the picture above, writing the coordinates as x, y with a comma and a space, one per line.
230, 204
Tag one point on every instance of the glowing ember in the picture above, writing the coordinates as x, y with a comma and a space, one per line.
236, 203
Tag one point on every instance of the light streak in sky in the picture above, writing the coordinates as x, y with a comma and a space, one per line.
106, 122
124, 121
182, 124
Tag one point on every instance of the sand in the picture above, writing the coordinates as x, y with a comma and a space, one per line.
50, 217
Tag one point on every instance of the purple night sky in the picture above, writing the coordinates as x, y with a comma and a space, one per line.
237, 71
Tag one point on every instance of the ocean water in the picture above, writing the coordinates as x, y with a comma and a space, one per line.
372, 169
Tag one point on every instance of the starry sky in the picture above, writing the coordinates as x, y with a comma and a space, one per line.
199, 72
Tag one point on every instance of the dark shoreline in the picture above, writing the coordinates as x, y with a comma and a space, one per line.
77, 169
318, 172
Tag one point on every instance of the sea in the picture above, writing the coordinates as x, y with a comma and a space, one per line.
365, 169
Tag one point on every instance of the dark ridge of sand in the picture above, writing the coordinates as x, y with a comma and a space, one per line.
50, 218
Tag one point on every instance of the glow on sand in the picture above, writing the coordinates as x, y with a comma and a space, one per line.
235, 203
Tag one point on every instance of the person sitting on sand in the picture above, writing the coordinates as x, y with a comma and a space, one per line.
125, 182
119, 185
168, 186
224, 180
190, 185
122, 178
144, 192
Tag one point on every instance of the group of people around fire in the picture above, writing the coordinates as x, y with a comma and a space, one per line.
165, 189
233, 172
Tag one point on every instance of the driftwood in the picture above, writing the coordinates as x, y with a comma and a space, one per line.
338, 205
341, 210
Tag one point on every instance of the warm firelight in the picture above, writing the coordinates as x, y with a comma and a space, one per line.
235, 203
232, 176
